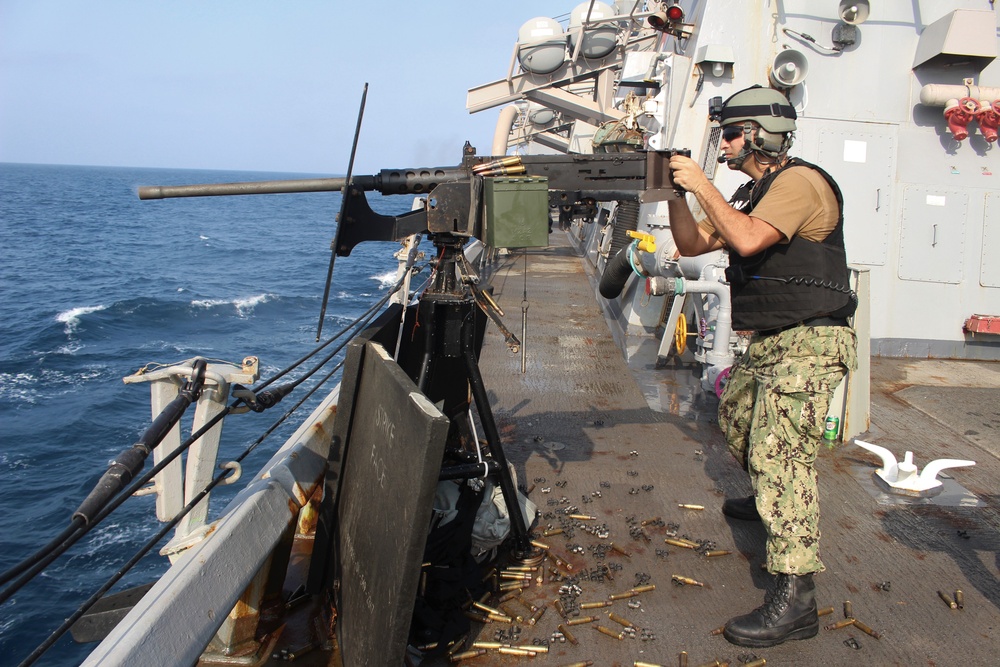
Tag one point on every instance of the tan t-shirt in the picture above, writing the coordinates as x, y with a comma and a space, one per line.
799, 202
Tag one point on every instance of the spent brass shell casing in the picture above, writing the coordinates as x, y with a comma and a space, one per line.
718, 631
535, 648
682, 659
610, 633
644, 588
527, 605
960, 598
840, 624
582, 663
551, 532
638, 663
719, 552
646, 522
493, 645
537, 615
678, 543
825, 611
519, 568
485, 607
560, 609
620, 550
477, 617
947, 599
596, 605
465, 655
515, 650
567, 634
622, 596
457, 645
582, 517
541, 545
760, 662
865, 629
621, 621
508, 586
687, 506
520, 576
848, 609
688, 581
582, 620
500, 618
508, 612
509, 595
714, 663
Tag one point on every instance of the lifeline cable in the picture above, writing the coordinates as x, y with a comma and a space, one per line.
78, 528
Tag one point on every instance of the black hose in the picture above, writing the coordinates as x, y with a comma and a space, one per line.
616, 272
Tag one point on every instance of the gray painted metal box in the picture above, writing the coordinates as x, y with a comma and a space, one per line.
517, 212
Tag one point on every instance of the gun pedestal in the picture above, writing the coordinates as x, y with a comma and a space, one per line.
451, 327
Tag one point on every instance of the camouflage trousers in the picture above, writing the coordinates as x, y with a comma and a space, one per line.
772, 413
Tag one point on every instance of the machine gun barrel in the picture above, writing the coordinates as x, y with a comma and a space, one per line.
419, 180
253, 188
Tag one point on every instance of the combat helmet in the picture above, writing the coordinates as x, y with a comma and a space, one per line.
770, 110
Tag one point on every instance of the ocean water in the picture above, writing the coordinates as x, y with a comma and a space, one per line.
94, 284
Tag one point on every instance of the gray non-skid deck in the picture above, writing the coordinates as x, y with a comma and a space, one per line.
579, 431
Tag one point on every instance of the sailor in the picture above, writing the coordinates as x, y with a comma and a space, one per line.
788, 277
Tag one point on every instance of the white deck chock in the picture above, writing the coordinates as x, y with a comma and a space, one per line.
902, 477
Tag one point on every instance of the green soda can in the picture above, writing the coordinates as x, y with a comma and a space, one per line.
832, 428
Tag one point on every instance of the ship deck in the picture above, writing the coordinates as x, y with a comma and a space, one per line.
579, 429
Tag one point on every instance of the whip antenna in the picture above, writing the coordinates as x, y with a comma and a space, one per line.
342, 215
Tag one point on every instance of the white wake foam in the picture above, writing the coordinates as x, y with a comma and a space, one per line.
71, 317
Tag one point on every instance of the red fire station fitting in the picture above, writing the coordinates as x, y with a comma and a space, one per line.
988, 117
959, 113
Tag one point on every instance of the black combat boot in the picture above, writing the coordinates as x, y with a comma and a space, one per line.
788, 612
741, 508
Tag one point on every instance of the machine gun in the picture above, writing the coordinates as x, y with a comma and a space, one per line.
457, 208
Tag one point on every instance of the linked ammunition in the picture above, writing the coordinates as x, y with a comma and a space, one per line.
596, 605
582, 620
865, 629
684, 544
713, 554
960, 598
686, 506
610, 633
465, 655
621, 621
825, 611
620, 550
551, 532
567, 634
848, 609
840, 624
686, 580
947, 599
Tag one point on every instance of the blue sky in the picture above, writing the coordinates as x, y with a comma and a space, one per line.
274, 86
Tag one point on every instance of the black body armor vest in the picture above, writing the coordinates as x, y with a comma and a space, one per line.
791, 282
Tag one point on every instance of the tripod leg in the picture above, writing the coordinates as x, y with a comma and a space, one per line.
522, 542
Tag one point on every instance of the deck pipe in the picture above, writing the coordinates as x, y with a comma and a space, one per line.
719, 355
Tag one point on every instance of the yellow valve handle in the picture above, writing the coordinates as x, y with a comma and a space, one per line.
647, 242
681, 334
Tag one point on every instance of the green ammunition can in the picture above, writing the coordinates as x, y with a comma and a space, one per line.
517, 212
832, 429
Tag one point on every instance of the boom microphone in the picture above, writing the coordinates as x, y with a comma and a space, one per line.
721, 159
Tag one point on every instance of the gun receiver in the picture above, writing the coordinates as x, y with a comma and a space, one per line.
454, 194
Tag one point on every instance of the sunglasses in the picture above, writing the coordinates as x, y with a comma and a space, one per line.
732, 132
